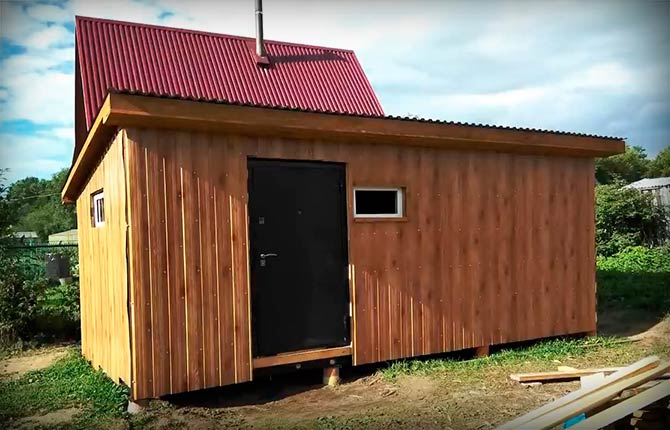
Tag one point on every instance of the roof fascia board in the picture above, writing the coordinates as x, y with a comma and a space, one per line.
139, 110
125, 110
89, 154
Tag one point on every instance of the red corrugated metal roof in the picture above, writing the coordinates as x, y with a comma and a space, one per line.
194, 64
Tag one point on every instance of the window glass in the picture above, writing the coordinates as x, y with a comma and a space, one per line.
378, 202
98, 209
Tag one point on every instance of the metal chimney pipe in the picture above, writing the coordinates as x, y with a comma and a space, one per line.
260, 45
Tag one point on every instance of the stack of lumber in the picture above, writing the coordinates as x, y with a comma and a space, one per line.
606, 400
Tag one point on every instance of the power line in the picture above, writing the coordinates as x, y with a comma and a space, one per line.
32, 197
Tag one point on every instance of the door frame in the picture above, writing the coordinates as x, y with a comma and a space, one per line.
307, 354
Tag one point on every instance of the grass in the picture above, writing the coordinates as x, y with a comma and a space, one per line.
70, 382
546, 351
635, 278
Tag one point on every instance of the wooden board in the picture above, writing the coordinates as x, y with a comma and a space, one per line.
301, 356
559, 375
597, 397
626, 407
103, 279
481, 229
642, 366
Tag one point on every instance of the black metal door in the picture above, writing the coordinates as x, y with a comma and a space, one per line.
298, 256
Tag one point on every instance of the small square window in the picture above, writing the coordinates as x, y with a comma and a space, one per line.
378, 203
98, 209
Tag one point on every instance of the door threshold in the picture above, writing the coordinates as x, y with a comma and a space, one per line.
301, 356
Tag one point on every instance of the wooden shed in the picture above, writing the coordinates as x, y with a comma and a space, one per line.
238, 212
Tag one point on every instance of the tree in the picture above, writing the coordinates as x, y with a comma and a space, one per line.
5, 208
628, 167
36, 205
659, 167
626, 217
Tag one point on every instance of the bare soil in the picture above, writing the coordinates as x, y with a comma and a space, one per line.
36, 360
51, 419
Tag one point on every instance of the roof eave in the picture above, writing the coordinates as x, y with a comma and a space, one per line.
126, 110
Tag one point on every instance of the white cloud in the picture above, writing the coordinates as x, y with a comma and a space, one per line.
54, 35
43, 98
49, 13
39, 155
62, 133
612, 76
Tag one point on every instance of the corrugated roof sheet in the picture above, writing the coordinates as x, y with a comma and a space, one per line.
393, 117
647, 183
194, 64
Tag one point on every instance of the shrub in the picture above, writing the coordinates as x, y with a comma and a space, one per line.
626, 217
30, 305
636, 277
58, 312
18, 298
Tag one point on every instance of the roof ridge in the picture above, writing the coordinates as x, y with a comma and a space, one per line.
79, 18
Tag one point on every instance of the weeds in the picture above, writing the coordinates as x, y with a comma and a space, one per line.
70, 382
544, 351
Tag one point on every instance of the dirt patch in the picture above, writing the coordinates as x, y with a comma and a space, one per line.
625, 322
17, 366
55, 418
458, 399
660, 333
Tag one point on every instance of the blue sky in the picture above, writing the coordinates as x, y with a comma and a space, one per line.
598, 67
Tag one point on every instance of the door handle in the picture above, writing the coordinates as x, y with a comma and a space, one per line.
268, 255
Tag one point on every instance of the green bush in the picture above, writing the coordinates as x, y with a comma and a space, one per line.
637, 277
19, 294
58, 312
626, 217
30, 305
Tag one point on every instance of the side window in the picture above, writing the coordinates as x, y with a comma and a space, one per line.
378, 203
98, 208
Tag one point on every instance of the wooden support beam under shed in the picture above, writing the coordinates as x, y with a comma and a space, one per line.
482, 351
301, 356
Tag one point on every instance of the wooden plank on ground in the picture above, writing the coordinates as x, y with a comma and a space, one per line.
626, 407
641, 366
559, 375
597, 397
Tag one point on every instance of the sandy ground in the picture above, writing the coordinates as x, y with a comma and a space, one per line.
51, 419
40, 359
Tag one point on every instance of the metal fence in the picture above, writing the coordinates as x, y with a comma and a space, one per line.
53, 261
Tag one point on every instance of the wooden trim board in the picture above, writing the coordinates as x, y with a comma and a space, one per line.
301, 356
597, 396
627, 407
559, 375
644, 365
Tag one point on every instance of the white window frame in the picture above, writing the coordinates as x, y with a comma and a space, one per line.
97, 197
400, 213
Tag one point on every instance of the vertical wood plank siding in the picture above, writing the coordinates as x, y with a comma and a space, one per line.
496, 248
102, 269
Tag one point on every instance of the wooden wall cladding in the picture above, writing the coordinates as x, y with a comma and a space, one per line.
496, 248
102, 269
188, 254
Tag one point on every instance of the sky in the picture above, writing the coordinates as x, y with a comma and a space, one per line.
600, 67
